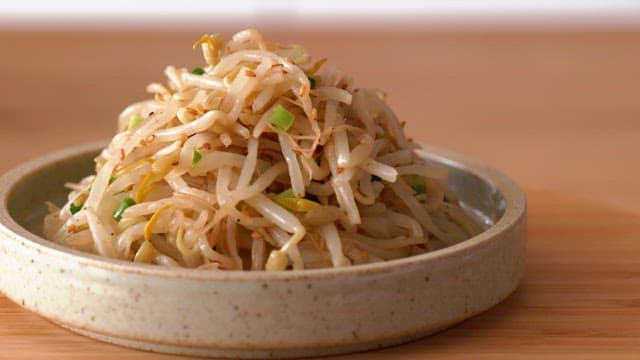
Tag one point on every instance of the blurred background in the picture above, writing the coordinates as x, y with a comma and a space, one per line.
520, 85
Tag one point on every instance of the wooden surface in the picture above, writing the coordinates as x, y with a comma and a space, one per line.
559, 112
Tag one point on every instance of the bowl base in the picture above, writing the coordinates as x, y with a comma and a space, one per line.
254, 353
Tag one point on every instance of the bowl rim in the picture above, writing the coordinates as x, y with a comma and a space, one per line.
514, 199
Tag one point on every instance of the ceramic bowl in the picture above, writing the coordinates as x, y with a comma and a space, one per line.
257, 314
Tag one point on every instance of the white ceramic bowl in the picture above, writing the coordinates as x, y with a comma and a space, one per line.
258, 314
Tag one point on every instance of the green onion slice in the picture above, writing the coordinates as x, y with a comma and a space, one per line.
418, 185
284, 195
134, 121
198, 71
289, 201
75, 208
196, 157
281, 118
126, 203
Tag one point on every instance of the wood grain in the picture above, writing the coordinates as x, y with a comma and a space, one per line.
560, 112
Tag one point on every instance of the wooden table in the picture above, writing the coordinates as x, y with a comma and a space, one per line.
560, 112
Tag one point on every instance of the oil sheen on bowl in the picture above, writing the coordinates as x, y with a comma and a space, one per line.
257, 314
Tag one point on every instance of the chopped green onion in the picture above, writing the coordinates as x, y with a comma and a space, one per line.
75, 208
289, 201
284, 195
312, 82
375, 178
281, 118
126, 203
196, 157
418, 185
134, 121
112, 179
198, 71
299, 205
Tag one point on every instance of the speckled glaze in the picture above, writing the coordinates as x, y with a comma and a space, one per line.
255, 314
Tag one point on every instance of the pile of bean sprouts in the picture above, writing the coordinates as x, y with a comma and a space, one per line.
261, 160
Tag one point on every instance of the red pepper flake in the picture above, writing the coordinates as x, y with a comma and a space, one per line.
297, 151
71, 229
122, 154
339, 170
206, 146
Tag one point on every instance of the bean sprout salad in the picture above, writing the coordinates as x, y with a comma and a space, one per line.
262, 159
